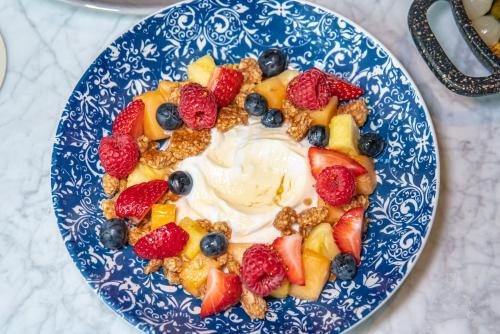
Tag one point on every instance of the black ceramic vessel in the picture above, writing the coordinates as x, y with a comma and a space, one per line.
439, 62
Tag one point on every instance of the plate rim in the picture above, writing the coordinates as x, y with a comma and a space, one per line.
363, 31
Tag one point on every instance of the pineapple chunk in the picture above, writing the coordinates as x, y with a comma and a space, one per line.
323, 116
237, 250
144, 173
152, 100
201, 70
320, 240
162, 214
366, 183
195, 272
273, 90
287, 76
317, 270
344, 134
282, 291
196, 233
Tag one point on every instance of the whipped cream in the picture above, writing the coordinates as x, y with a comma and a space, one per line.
245, 177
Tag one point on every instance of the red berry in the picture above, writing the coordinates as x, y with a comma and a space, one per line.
335, 185
118, 154
136, 201
165, 241
348, 232
223, 291
320, 158
130, 120
309, 90
343, 90
225, 84
197, 107
262, 269
290, 249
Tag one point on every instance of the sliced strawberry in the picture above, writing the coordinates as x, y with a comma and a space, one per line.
335, 185
130, 120
320, 158
223, 291
225, 84
348, 232
136, 201
290, 249
343, 90
165, 241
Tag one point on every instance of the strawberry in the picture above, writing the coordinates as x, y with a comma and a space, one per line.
197, 107
165, 241
130, 120
222, 291
118, 154
343, 90
348, 232
309, 90
262, 269
335, 185
136, 201
290, 249
225, 84
320, 158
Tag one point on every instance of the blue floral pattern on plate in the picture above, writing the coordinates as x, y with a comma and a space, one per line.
160, 47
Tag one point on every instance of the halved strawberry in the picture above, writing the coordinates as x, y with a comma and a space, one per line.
165, 241
225, 84
343, 90
136, 201
320, 158
290, 249
130, 120
223, 291
348, 232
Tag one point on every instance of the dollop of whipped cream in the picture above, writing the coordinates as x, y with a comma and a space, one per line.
245, 177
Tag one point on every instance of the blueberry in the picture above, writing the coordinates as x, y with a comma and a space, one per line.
180, 183
113, 234
318, 136
371, 144
344, 266
273, 118
272, 62
168, 117
255, 104
214, 244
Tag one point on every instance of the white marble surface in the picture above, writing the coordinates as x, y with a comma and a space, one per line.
454, 288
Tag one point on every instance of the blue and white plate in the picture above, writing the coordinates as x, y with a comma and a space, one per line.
402, 208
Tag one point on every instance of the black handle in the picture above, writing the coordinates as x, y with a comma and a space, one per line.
439, 62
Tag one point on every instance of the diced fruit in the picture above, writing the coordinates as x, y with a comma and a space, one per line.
309, 90
344, 90
344, 134
334, 213
201, 70
348, 232
118, 154
320, 240
196, 233
317, 270
272, 62
166, 241
282, 291
290, 249
162, 214
144, 173
223, 291
152, 100
320, 159
324, 115
371, 144
168, 116
225, 83
237, 250
366, 183
273, 91
344, 266
195, 272
180, 183
136, 201
335, 185
273, 118
318, 136
255, 104
113, 234
130, 120
214, 244
197, 107
287, 76
165, 88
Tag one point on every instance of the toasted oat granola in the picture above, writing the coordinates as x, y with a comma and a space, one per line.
108, 208
246, 89
251, 70
289, 110
231, 116
153, 266
299, 126
135, 233
171, 90
110, 184
229, 262
172, 266
357, 109
310, 218
254, 305
145, 144
284, 220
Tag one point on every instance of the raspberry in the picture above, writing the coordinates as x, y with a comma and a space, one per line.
197, 107
335, 185
262, 269
118, 154
309, 90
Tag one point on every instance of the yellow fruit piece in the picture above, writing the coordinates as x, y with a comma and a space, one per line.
201, 70
194, 273
317, 271
152, 100
323, 116
196, 233
273, 90
320, 240
165, 88
344, 134
144, 173
287, 76
366, 183
162, 214
282, 291
334, 213
236, 250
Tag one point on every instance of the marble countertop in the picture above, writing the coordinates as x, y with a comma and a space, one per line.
454, 287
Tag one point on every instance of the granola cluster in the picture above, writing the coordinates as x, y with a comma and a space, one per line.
230, 117
357, 109
222, 227
287, 219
